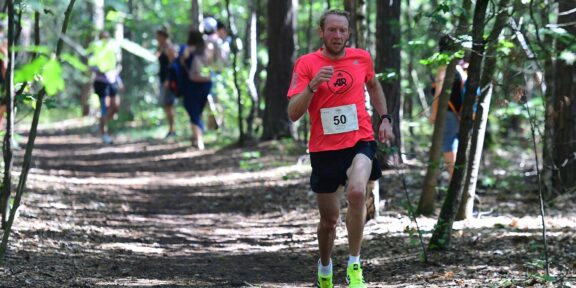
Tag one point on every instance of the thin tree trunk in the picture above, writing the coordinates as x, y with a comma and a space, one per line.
196, 14
443, 230
234, 50
9, 94
428, 196
467, 204
252, 73
30, 145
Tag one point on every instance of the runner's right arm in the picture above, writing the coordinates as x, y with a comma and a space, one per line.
299, 103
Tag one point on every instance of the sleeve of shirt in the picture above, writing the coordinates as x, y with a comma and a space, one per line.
300, 79
369, 67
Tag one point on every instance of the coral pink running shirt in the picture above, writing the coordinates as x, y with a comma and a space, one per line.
332, 115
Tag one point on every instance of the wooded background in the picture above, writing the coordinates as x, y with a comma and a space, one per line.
522, 58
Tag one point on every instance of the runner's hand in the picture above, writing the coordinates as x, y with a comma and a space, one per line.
323, 75
385, 133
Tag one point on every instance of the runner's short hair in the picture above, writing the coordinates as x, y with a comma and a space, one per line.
164, 31
334, 12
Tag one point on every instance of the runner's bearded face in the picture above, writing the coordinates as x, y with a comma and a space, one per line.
335, 34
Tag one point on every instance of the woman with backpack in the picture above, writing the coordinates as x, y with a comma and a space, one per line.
197, 65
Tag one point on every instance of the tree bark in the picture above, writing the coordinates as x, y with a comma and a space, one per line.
564, 178
467, 204
357, 9
443, 230
388, 62
9, 94
196, 14
234, 50
281, 54
253, 37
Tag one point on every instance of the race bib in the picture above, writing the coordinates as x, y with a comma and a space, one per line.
339, 119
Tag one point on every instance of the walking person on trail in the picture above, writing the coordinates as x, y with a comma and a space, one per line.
218, 46
452, 121
197, 63
329, 83
166, 53
104, 62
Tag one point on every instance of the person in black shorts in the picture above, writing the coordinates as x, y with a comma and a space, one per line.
107, 80
330, 85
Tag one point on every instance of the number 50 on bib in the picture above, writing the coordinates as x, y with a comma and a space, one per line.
339, 119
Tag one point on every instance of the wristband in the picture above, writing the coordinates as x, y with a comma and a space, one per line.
386, 116
310, 88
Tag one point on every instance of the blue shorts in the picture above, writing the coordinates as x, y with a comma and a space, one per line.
450, 135
329, 167
103, 89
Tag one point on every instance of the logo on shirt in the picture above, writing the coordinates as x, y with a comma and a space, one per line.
341, 82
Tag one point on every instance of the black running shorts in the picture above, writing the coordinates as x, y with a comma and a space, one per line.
329, 167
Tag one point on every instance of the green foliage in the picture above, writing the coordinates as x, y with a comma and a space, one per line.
52, 77
29, 71
505, 46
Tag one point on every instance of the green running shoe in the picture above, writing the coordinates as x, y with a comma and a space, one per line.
325, 281
354, 276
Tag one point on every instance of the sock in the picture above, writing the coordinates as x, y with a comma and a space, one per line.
353, 259
325, 270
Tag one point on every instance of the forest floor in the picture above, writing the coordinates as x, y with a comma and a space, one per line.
153, 213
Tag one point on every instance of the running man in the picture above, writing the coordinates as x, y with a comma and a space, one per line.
329, 84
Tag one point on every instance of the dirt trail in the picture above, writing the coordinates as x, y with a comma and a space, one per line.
159, 214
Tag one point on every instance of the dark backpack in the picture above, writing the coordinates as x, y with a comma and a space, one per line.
177, 75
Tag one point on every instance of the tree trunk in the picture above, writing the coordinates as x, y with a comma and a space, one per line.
350, 6
8, 138
253, 37
234, 50
428, 196
387, 62
281, 54
357, 9
443, 229
564, 178
31, 138
196, 14
467, 204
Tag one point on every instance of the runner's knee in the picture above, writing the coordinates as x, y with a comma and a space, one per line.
356, 194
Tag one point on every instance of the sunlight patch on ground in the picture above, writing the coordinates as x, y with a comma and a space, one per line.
120, 149
138, 282
134, 247
162, 180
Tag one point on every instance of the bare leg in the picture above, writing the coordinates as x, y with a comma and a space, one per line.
358, 175
169, 110
197, 132
329, 207
450, 159
113, 106
3, 109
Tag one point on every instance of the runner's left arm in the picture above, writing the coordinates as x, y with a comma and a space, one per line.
378, 100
